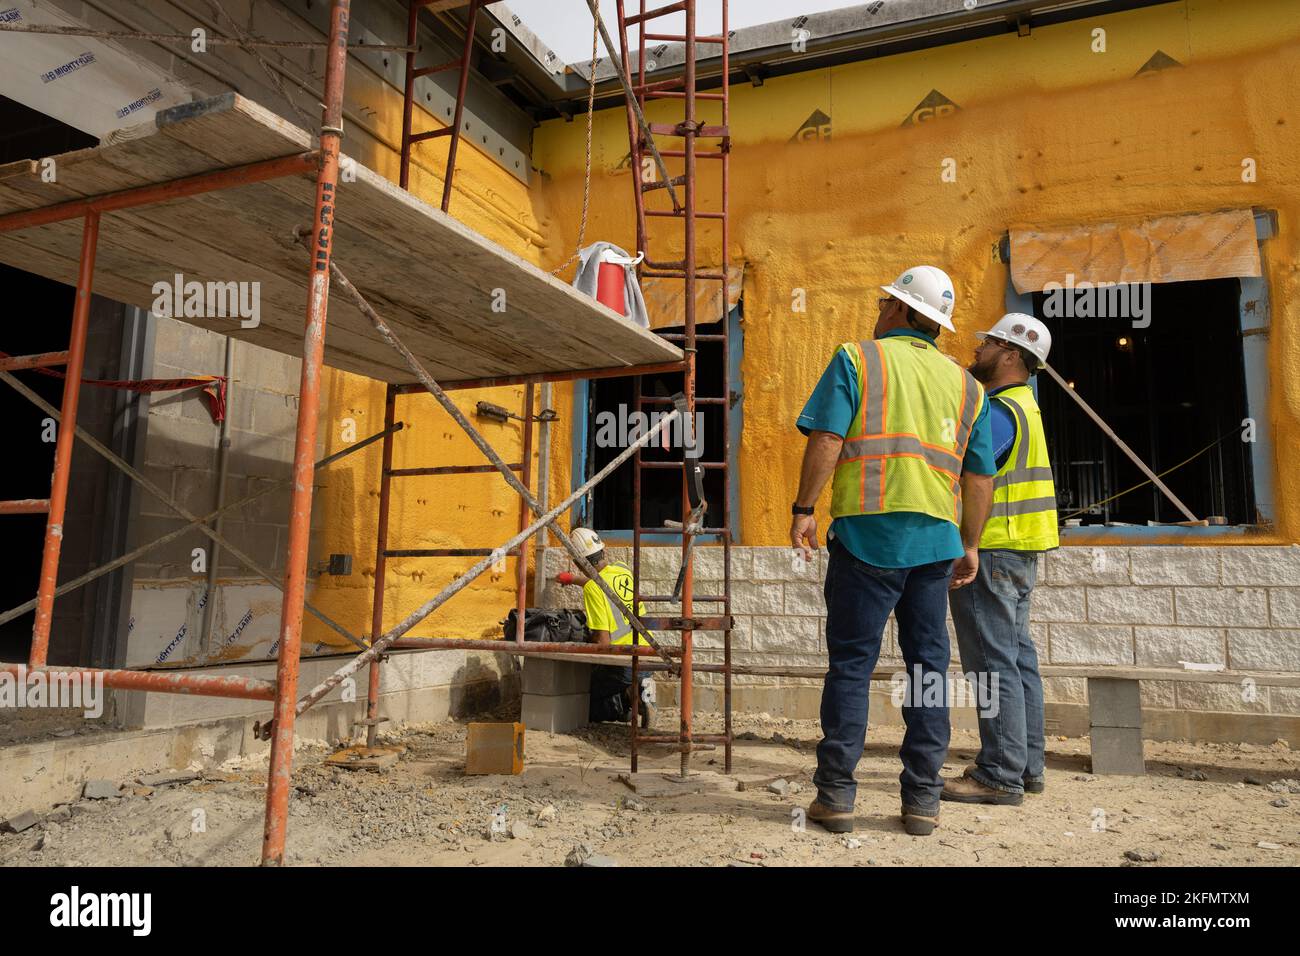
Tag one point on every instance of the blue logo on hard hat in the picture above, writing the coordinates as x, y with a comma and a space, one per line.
907, 278
947, 294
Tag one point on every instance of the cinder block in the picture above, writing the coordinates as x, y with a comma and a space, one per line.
556, 714
1175, 565
1235, 697
1284, 607
188, 347
1038, 633
804, 600
1221, 607
780, 564
494, 748
1118, 750
785, 634
551, 677
259, 456
196, 489
748, 597
1052, 605
1114, 702
1065, 690
259, 367
1091, 644
709, 561
1166, 646
273, 413
177, 555
272, 508
163, 478
1284, 700
181, 441
742, 563
259, 541
1159, 694
1261, 565
658, 562
1066, 566
1117, 604
1264, 650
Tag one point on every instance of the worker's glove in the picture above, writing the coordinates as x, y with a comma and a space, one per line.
564, 577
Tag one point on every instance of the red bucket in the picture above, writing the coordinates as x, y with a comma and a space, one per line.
611, 280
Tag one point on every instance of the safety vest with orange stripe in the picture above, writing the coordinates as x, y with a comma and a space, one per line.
904, 450
1023, 516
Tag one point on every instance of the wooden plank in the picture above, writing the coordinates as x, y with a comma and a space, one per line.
392, 227
434, 280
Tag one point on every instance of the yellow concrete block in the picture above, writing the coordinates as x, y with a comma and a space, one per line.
494, 748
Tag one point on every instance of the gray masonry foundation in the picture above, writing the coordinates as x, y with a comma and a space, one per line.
1236, 607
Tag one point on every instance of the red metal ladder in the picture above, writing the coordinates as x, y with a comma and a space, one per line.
462, 64
383, 552
688, 131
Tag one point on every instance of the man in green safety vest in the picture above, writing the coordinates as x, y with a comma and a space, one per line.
991, 614
905, 432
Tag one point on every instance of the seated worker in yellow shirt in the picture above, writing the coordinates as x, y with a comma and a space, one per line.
611, 687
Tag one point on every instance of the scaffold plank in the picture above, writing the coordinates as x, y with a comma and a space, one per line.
465, 306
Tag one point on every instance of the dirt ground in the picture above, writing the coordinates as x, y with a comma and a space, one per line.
1199, 805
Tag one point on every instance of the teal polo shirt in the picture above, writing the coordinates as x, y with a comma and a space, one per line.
899, 539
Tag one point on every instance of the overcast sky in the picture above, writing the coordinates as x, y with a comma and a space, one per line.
565, 25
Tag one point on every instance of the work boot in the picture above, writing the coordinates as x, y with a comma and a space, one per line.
833, 821
1035, 784
919, 823
966, 789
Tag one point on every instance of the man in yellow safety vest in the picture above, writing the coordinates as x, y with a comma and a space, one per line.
904, 430
991, 615
607, 623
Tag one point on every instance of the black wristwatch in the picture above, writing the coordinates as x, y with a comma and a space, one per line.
798, 510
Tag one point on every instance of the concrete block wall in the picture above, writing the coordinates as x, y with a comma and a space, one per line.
181, 453
1141, 606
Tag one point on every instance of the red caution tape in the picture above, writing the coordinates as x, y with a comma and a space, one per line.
214, 387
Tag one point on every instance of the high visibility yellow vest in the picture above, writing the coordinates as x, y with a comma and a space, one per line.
604, 614
904, 450
1023, 516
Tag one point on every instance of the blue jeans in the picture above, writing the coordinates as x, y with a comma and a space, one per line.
859, 598
991, 615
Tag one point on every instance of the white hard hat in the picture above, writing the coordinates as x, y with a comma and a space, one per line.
929, 291
586, 541
1023, 330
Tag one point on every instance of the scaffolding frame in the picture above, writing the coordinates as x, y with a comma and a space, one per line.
323, 273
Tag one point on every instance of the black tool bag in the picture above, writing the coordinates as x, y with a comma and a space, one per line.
548, 625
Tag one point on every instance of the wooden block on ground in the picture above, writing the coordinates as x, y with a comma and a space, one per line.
1117, 750
494, 748
555, 713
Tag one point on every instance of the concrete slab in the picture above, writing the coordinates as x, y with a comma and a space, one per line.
672, 785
